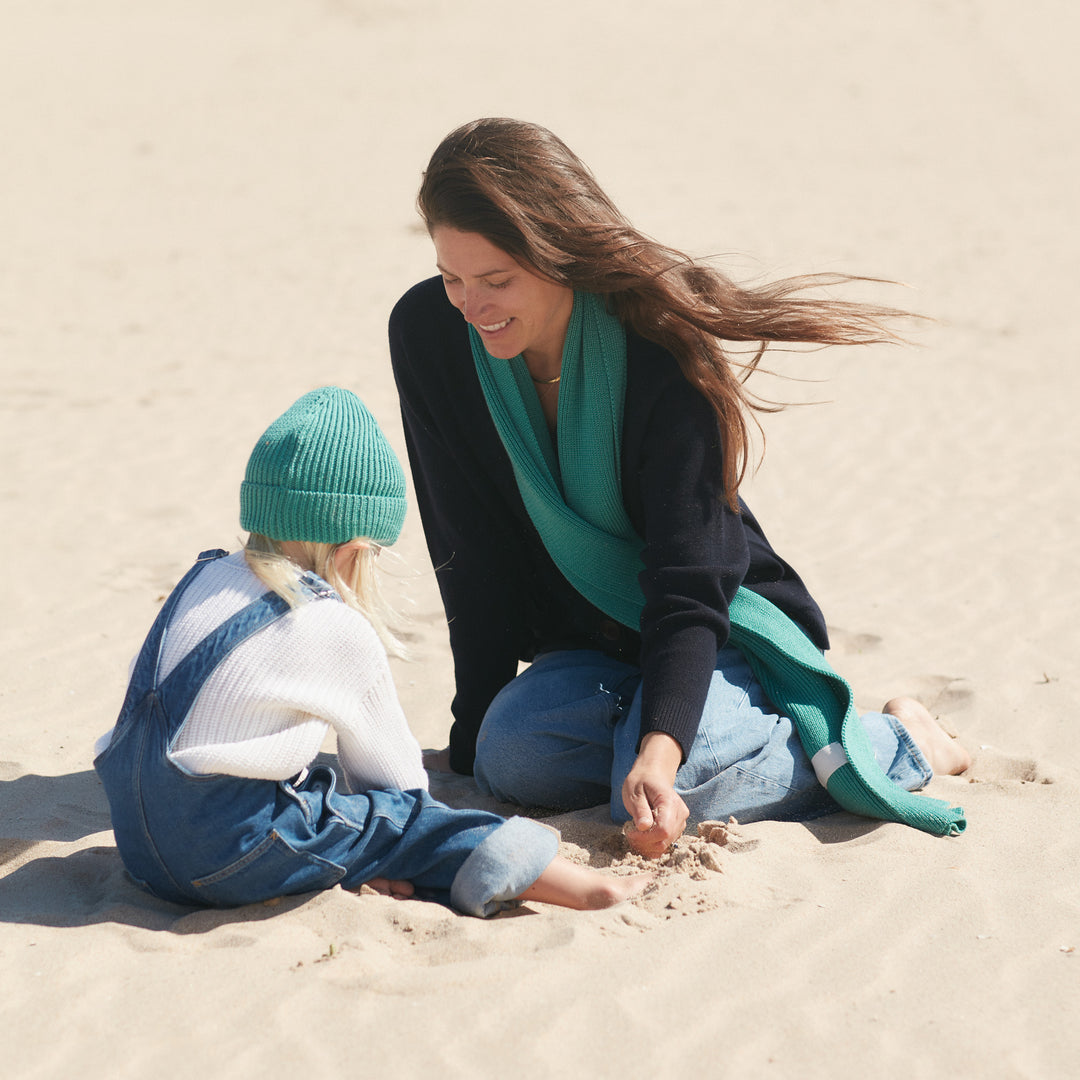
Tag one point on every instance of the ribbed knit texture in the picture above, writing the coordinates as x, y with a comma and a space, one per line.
264, 712
324, 472
798, 679
584, 485
579, 515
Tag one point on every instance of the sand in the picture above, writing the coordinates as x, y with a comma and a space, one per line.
207, 209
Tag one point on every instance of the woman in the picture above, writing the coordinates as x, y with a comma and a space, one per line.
577, 434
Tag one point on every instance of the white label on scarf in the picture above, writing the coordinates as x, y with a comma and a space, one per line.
827, 760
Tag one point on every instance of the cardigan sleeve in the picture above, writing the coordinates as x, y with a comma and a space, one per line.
470, 536
696, 553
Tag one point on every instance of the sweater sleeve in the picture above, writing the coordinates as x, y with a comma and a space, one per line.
696, 553
470, 534
266, 708
375, 745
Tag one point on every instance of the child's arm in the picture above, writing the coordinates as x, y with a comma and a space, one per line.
375, 745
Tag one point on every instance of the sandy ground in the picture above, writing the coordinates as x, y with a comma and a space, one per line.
206, 209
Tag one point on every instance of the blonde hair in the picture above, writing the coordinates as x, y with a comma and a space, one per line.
360, 588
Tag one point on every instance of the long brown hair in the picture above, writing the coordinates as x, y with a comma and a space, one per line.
521, 188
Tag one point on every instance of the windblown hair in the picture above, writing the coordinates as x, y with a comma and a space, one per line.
522, 189
359, 589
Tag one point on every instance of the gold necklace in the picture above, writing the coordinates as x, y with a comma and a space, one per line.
546, 382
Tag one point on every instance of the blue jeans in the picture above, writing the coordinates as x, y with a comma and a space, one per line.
225, 840
564, 734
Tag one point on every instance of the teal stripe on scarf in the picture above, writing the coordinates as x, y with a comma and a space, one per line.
574, 497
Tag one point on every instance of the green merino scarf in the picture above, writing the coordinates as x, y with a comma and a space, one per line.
574, 498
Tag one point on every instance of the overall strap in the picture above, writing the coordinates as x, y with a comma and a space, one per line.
183, 684
144, 674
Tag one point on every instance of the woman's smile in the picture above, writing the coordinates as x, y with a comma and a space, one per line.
516, 311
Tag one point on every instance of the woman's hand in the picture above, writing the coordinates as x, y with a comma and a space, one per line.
437, 760
657, 812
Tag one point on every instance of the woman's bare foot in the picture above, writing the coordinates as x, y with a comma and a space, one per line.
944, 753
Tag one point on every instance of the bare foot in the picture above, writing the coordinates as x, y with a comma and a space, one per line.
944, 753
437, 760
609, 891
583, 888
399, 890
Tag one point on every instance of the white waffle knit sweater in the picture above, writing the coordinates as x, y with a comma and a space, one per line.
266, 709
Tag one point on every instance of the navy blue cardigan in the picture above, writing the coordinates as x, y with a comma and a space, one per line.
506, 600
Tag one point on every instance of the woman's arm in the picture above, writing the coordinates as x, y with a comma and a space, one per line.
696, 553
455, 458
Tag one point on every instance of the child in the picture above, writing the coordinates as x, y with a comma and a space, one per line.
208, 771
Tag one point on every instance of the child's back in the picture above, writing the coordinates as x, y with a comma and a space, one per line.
265, 710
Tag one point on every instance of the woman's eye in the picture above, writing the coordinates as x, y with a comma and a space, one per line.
499, 284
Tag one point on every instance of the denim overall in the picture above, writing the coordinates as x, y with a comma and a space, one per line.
225, 840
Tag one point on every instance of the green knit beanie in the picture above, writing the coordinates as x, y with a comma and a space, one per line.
323, 471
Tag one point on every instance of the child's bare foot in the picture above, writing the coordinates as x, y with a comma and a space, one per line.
399, 890
944, 753
609, 891
580, 887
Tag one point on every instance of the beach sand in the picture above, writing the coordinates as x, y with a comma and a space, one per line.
207, 209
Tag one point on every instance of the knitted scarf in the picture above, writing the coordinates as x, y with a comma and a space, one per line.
574, 498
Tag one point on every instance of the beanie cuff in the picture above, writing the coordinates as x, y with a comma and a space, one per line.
320, 517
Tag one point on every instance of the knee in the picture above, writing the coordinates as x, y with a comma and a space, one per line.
503, 767
503, 748
497, 743
553, 757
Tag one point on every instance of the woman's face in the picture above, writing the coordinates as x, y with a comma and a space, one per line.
514, 310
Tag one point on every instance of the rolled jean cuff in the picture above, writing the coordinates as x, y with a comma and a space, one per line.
910, 769
503, 866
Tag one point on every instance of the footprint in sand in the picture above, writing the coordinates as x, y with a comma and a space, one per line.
992, 765
943, 693
10, 770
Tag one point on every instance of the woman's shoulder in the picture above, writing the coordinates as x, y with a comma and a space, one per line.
426, 298
654, 381
651, 365
427, 334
